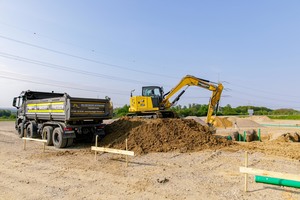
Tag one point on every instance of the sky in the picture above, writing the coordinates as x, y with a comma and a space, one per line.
98, 48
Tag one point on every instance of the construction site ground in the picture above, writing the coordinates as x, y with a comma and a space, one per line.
207, 170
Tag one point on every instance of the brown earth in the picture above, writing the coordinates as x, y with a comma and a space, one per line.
222, 122
243, 122
197, 119
288, 137
211, 173
161, 135
260, 118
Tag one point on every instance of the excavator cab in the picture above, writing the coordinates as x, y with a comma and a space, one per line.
148, 105
156, 94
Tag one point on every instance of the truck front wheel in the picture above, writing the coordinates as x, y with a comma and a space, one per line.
20, 131
58, 140
47, 135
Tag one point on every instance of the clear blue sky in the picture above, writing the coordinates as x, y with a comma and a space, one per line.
108, 48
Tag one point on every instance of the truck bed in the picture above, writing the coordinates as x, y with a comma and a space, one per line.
68, 109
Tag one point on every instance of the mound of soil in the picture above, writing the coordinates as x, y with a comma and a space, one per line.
260, 119
243, 122
197, 119
161, 135
222, 122
289, 137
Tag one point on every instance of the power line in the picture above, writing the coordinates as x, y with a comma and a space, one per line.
85, 59
58, 40
31, 80
69, 69
42, 35
264, 91
13, 76
265, 98
259, 103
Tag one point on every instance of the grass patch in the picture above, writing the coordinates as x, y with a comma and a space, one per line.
5, 120
285, 117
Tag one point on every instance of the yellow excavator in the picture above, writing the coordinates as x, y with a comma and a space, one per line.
155, 104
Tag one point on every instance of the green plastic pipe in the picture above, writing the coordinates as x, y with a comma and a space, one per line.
259, 134
281, 125
277, 181
244, 136
239, 137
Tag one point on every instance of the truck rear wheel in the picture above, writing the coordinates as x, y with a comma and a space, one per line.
47, 135
58, 140
70, 142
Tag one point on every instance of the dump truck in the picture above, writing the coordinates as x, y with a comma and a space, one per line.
60, 118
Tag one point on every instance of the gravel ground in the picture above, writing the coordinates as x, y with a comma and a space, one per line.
74, 174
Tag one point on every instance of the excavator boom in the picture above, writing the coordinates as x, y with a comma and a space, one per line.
189, 80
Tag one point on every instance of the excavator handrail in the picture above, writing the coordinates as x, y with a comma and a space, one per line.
189, 80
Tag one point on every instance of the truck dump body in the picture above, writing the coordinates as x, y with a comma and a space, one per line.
68, 109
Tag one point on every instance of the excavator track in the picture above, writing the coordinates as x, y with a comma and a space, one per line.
154, 114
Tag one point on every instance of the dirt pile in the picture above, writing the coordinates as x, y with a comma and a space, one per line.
242, 122
260, 119
197, 119
161, 135
222, 122
289, 137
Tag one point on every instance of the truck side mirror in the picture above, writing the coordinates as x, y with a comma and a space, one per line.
15, 103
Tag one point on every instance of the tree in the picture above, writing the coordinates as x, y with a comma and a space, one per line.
228, 110
119, 112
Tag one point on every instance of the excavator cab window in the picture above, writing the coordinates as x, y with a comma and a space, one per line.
152, 91
155, 93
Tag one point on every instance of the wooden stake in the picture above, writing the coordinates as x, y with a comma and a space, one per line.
34, 139
96, 144
126, 155
261, 172
25, 135
24, 144
44, 142
109, 150
246, 175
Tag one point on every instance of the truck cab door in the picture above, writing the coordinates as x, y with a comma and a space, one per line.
18, 103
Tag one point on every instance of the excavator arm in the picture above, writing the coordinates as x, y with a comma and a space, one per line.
189, 80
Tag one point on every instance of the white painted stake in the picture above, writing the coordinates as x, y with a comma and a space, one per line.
24, 144
126, 155
246, 175
34, 139
25, 135
96, 144
109, 150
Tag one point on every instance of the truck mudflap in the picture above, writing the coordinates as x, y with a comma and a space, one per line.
100, 132
69, 133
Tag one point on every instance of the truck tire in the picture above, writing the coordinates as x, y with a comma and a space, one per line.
47, 135
20, 132
70, 142
58, 140
31, 131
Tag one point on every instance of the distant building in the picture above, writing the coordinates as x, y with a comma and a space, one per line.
250, 112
